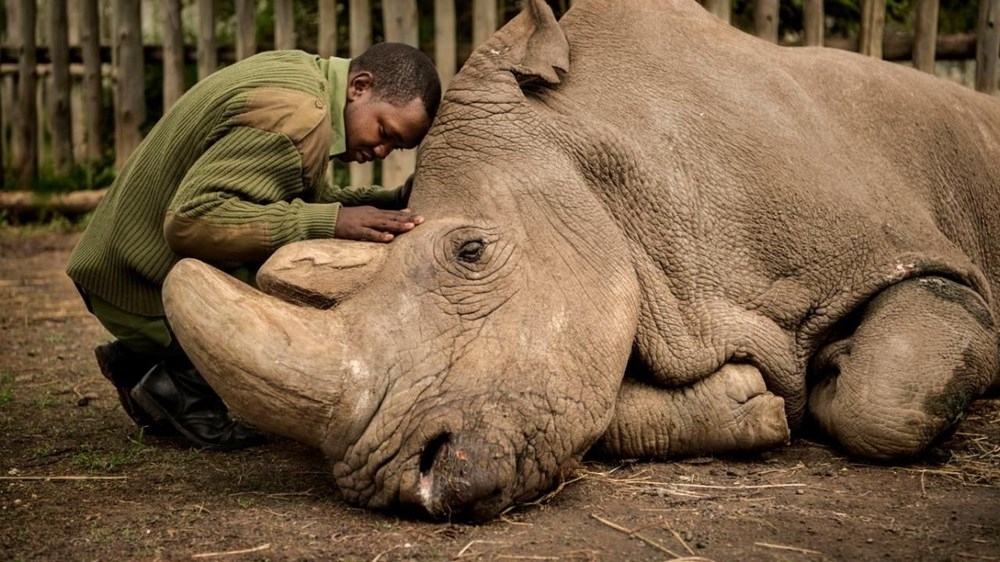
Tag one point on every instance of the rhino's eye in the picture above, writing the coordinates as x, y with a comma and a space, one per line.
471, 251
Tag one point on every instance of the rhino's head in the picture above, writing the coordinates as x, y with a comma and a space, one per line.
463, 367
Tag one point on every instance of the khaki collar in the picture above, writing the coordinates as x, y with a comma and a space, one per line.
337, 70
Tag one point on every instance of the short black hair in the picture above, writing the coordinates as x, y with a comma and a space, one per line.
400, 74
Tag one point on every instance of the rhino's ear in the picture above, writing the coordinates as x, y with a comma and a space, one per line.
534, 46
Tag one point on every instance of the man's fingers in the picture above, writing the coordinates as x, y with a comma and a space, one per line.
372, 235
399, 227
396, 222
374, 225
415, 219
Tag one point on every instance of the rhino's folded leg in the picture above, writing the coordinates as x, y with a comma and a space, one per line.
731, 410
923, 349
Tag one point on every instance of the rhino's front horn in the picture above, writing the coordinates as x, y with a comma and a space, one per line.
280, 366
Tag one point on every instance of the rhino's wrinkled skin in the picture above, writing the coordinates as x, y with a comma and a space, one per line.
646, 232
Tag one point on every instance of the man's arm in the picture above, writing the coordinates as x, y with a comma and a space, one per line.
241, 201
376, 196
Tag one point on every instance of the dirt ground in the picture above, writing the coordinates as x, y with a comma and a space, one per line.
78, 483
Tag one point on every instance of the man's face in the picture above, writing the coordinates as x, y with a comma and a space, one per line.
374, 127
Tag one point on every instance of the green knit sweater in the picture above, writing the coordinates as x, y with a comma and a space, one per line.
235, 169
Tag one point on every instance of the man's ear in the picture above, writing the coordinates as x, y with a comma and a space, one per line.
359, 83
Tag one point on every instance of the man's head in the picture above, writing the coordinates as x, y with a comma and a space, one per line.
393, 93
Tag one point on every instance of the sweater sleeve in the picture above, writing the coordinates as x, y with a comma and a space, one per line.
240, 201
353, 196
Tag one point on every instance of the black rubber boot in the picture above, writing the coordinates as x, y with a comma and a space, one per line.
175, 391
125, 368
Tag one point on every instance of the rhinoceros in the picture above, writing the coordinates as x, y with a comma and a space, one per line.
648, 234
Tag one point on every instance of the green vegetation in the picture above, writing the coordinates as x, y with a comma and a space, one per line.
42, 451
112, 461
82, 176
46, 401
244, 502
6, 388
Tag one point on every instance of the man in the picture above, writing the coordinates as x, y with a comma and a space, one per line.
236, 169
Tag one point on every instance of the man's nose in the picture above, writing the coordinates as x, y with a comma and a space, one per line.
382, 150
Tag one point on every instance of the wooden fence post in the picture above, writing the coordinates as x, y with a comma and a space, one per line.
3, 138
484, 21
25, 111
173, 53
152, 20
208, 55
75, 91
925, 35
284, 24
12, 152
401, 26
93, 91
872, 28
361, 39
327, 39
988, 46
246, 29
327, 46
445, 55
60, 117
813, 22
130, 95
723, 9
27, 118
765, 19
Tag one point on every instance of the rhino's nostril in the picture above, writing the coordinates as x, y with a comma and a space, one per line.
435, 448
461, 476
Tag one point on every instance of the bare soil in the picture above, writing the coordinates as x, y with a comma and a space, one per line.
78, 483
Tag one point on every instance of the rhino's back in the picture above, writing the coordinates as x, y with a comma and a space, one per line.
929, 148
787, 180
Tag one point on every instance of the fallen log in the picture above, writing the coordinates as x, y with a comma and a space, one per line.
957, 46
30, 204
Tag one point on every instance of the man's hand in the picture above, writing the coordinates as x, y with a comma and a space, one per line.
374, 225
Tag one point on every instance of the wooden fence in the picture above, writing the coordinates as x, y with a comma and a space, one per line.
93, 46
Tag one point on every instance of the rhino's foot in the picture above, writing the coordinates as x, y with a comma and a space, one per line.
729, 411
923, 350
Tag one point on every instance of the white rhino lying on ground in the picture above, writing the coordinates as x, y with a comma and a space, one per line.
647, 233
